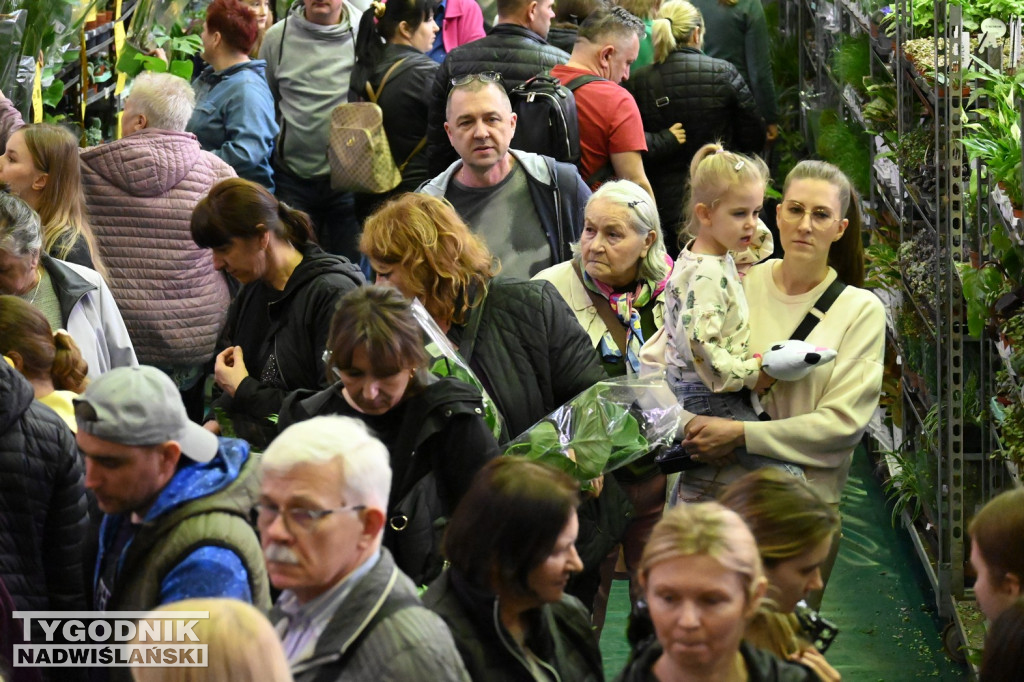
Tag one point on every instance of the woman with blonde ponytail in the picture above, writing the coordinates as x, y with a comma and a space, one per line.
277, 325
49, 360
708, 96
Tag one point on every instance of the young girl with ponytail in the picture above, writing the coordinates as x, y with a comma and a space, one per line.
49, 360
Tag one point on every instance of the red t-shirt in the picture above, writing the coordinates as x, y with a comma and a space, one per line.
609, 120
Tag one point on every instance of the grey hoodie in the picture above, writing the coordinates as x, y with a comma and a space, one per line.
308, 73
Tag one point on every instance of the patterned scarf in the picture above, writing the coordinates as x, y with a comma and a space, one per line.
627, 307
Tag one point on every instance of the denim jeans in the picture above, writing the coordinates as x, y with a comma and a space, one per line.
696, 398
333, 213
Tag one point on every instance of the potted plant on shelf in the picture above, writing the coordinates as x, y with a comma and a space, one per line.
995, 131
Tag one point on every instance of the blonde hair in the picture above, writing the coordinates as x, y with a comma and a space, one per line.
705, 529
242, 645
676, 22
713, 172
54, 151
425, 237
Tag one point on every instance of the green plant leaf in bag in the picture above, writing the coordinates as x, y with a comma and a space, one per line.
592, 443
53, 94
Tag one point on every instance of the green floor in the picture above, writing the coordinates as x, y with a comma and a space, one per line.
878, 596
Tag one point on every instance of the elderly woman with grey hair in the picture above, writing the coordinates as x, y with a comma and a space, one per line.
614, 285
615, 281
71, 297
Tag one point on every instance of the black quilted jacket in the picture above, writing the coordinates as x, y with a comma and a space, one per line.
530, 352
42, 502
712, 101
517, 53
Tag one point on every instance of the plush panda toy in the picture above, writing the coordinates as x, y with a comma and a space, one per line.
793, 360
789, 361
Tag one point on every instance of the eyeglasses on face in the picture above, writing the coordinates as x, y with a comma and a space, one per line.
483, 77
297, 517
821, 218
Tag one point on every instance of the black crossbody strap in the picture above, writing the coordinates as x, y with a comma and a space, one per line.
661, 100
821, 306
807, 325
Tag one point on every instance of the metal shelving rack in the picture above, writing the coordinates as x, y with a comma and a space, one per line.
961, 471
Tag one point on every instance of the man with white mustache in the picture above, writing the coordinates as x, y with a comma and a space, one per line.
346, 612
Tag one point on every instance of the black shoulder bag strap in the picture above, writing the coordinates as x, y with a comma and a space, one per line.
556, 177
606, 171
605, 312
806, 326
818, 310
661, 100
391, 606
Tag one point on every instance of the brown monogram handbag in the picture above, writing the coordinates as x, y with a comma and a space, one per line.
358, 149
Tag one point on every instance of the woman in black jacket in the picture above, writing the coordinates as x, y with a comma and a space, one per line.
433, 428
392, 42
520, 338
708, 96
276, 329
510, 544
43, 519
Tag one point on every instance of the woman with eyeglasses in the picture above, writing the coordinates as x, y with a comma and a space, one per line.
277, 325
818, 421
433, 428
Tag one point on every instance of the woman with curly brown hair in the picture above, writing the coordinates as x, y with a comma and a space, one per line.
520, 338
49, 360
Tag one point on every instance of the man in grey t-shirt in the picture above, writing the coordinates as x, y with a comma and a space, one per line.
527, 207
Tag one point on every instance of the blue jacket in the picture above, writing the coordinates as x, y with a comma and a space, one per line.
234, 118
171, 558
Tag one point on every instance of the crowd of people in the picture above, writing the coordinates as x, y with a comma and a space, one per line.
205, 405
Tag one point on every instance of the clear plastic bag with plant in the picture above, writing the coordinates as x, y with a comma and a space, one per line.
607, 426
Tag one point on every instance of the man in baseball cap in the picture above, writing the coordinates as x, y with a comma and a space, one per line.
176, 498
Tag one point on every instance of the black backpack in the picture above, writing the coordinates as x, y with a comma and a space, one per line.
547, 120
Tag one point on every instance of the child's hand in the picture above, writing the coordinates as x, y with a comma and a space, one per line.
764, 382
